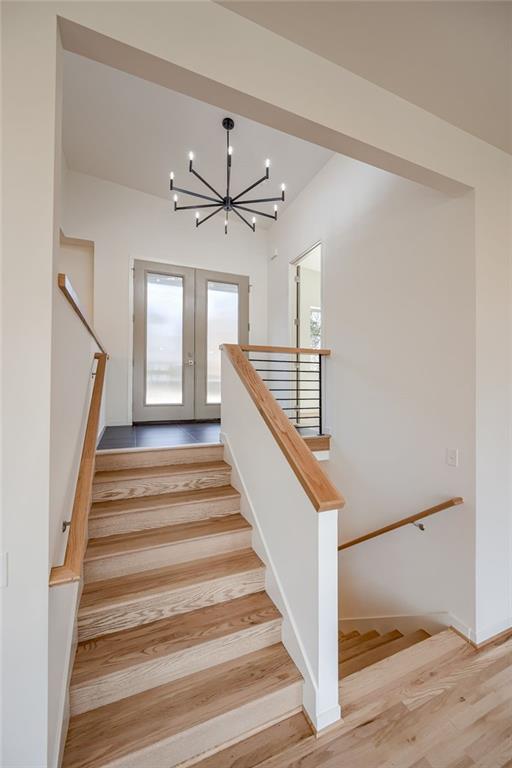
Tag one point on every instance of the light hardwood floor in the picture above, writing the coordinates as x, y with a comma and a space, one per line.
438, 704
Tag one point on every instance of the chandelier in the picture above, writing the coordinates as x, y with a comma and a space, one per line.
228, 203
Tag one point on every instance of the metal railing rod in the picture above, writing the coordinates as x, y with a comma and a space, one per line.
271, 360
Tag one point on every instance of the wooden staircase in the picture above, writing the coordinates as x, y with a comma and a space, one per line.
179, 647
179, 657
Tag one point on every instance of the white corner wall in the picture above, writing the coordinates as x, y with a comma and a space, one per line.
398, 311
125, 225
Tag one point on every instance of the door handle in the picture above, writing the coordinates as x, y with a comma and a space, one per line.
190, 361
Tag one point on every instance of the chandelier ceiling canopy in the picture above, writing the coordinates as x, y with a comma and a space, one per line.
228, 202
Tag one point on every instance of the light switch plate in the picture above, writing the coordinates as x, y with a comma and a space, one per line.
452, 457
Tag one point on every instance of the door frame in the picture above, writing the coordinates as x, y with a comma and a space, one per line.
295, 290
195, 284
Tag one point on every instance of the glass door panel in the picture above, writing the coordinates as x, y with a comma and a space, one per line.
221, 328
164, 339
222, 317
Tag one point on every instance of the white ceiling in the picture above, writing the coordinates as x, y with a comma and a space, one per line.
132, 132
452, 58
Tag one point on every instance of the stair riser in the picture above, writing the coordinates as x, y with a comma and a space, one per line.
156, 672
152, 486
143, 610
211, 736
157, 458
159, 557
144, 520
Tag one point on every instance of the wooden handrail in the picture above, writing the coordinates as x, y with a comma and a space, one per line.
70, 294
320, 490
405, 521
77, 539
289, 350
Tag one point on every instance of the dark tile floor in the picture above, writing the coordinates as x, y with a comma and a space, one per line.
160, 435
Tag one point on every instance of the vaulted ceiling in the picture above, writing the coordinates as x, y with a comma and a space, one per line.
132, 132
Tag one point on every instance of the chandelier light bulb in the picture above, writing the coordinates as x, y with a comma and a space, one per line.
283, 187
267, 163
230, 150
225, 222
197, 214
275, 208
175, 198
190, 156
171, 175
254, 219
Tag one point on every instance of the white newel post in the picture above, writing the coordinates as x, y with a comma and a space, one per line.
297, 544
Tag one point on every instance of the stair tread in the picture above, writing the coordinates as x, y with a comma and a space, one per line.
110, 653
377, 654
369, 644
114, 730
350, 636
268, 743
346, 644
122, 589
124, 543
141, 503
167, 470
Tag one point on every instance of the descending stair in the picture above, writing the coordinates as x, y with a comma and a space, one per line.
179, 647
358, 651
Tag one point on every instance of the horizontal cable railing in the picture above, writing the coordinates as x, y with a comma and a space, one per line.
323, 495
411, 520
294, 375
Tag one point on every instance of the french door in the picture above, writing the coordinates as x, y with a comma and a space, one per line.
181, 317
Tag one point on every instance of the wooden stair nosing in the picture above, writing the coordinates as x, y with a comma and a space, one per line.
112, 507
370, 644
145, 513
119, 603
143, 457
150, 481
346, 643
269, 742
378, 654
191, 715
124, 663
163, 470
154, 538
136, 552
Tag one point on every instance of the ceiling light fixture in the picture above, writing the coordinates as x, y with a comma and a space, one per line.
226, 202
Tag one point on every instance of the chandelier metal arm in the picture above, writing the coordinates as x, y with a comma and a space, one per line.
258, 213
195, 207
202, 221
251, 226
196, 194
198, 176
248, 189
263, 200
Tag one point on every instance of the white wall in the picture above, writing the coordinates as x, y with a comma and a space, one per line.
398, 312
125, 225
